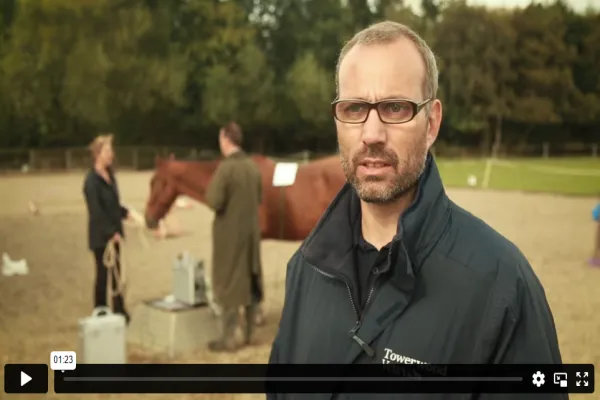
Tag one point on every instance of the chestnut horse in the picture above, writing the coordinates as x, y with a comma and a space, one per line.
286, 213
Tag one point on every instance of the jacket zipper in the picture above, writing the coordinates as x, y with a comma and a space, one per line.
352, 333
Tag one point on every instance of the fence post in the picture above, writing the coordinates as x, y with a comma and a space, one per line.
546, 150
135, 159
32, 159
305, 156
595, 150
68, 159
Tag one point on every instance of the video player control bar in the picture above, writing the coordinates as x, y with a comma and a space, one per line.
287, 378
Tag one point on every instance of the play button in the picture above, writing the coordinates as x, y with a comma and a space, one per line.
24, 378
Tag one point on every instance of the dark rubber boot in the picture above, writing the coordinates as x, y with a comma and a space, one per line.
227, 341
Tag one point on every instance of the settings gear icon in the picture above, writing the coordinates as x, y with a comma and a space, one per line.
538, 379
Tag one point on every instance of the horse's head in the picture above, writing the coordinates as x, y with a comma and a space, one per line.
172, 178
163, 192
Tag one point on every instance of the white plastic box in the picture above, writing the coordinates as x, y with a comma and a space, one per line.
189, 283
102, 338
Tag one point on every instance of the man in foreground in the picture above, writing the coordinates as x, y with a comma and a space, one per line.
234, 194
394, 271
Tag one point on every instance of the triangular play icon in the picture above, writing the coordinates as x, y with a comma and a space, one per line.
24, 378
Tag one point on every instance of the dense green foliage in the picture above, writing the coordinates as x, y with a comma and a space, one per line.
169, 72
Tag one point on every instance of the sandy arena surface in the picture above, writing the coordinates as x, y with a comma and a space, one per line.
39, 312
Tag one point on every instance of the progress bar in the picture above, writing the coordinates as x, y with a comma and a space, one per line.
292, 379
321, 378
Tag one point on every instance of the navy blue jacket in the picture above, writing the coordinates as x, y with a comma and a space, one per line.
105, 211
453, 291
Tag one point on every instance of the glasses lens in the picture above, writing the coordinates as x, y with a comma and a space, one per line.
395, 111
351, 111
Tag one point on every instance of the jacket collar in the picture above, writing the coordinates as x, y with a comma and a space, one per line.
236, 154
419, 228
111, 174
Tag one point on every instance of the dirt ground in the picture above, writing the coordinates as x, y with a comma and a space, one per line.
39, 312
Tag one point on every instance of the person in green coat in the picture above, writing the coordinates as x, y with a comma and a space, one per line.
234, 194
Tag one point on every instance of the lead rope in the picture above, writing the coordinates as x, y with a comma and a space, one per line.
110, 261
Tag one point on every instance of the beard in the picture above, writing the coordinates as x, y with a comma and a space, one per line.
383, 189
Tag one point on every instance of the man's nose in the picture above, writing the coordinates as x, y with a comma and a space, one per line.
373, 129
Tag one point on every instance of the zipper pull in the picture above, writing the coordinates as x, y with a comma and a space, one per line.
355, 329
370, 352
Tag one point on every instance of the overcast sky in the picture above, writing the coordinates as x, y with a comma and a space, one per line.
577, 5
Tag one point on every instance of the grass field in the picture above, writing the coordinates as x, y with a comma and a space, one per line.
572, 176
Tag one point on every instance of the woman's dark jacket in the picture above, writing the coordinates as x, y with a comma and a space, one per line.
105, 211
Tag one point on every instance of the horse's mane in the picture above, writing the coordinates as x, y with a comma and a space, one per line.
162, 162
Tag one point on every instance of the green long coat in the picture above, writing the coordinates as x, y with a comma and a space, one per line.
235, 193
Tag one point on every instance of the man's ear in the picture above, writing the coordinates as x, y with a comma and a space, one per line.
434, 122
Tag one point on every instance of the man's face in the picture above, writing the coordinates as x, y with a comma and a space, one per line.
222, 142
383, 161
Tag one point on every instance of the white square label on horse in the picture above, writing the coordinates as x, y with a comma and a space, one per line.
285, 174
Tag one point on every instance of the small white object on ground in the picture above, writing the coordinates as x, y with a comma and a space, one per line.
33, 208
472, 180
13, 267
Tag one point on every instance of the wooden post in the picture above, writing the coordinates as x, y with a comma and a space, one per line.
68, 159
546, 150
135, 158
32, 159
595, 150
305, 156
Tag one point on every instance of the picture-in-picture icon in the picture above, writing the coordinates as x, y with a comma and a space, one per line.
560, 378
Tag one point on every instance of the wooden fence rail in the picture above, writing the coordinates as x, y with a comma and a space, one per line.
143, 157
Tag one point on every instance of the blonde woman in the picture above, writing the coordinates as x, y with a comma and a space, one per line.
106, 216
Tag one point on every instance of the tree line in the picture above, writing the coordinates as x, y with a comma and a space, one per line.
170, 72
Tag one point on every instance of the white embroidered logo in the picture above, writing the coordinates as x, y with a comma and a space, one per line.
391, 357
394, 358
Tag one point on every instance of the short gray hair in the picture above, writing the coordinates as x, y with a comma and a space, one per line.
388, 32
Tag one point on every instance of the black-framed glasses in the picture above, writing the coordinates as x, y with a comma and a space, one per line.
390, 111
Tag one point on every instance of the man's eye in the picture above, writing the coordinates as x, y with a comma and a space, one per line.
396, 107
355, 108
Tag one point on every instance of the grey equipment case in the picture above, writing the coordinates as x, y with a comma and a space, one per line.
189, 283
